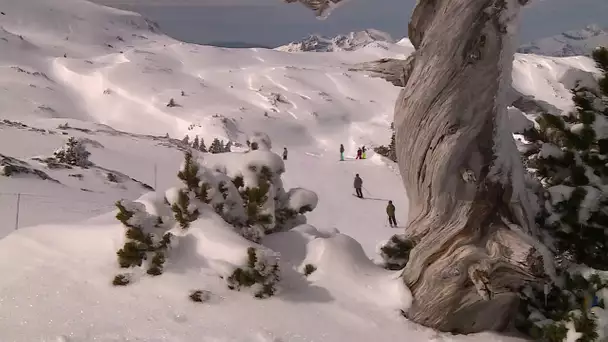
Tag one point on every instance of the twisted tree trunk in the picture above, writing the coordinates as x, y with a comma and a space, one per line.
470, 214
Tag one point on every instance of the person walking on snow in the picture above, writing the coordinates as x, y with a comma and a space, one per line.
363, 152
358, 153
390, 211
358, 185
284, 153
341, 152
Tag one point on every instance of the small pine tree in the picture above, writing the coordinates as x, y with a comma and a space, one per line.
202, 146
309, 269
228, 147
189, 176
396, 252
217, 146
600, 56
73, 153
255, 198
144, 236
261, 271
200, 296
196, 143
186, 140
388, 151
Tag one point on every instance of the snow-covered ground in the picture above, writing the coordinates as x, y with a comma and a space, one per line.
109, 75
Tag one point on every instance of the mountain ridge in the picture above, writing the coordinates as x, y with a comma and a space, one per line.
566, 44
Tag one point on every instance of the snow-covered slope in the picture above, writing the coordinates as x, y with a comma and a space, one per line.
109, 75
570, 43
349, 42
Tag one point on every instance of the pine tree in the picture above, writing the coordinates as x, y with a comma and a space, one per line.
228, 147
186, 140
261, 271
570, 163
189, 176
567, 155
390, 150
202, 146
144, 237
601, 58
217, 146
73, 153
196, 143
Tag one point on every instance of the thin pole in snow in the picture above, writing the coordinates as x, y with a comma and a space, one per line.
17, 214
154, 176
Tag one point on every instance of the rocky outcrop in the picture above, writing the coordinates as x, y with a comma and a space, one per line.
349, 42
11, 167
393, 70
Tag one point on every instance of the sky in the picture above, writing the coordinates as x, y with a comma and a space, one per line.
273, 22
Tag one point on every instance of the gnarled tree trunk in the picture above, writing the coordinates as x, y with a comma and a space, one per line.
469, 210
470, 214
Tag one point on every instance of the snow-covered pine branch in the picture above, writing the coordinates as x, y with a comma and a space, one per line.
242, 192
567, 155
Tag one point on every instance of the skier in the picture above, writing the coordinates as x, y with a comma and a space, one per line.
341, 152
359, 153
284, 153
390, 211
363, 152
358, 185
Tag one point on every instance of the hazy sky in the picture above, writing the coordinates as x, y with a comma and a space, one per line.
273, 22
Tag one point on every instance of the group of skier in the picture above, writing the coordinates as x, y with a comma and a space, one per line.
390, 208
360, 152
358, 183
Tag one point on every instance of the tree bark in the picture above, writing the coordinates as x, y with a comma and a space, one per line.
472, 223
470, 214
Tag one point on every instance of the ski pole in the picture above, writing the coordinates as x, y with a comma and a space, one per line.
366, 190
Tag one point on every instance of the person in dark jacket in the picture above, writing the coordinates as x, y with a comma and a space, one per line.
390, 211
358, 183
284, 153
358, 153
341, 152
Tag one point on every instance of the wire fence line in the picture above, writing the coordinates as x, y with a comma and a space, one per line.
28, 209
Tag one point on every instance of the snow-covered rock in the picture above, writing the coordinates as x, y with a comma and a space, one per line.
349, 42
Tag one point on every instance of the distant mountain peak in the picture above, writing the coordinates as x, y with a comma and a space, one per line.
348, 42
570, 43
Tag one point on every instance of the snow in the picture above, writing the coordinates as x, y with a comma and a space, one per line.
112, 89
550, 150
560, 193
300, 198
600, 126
